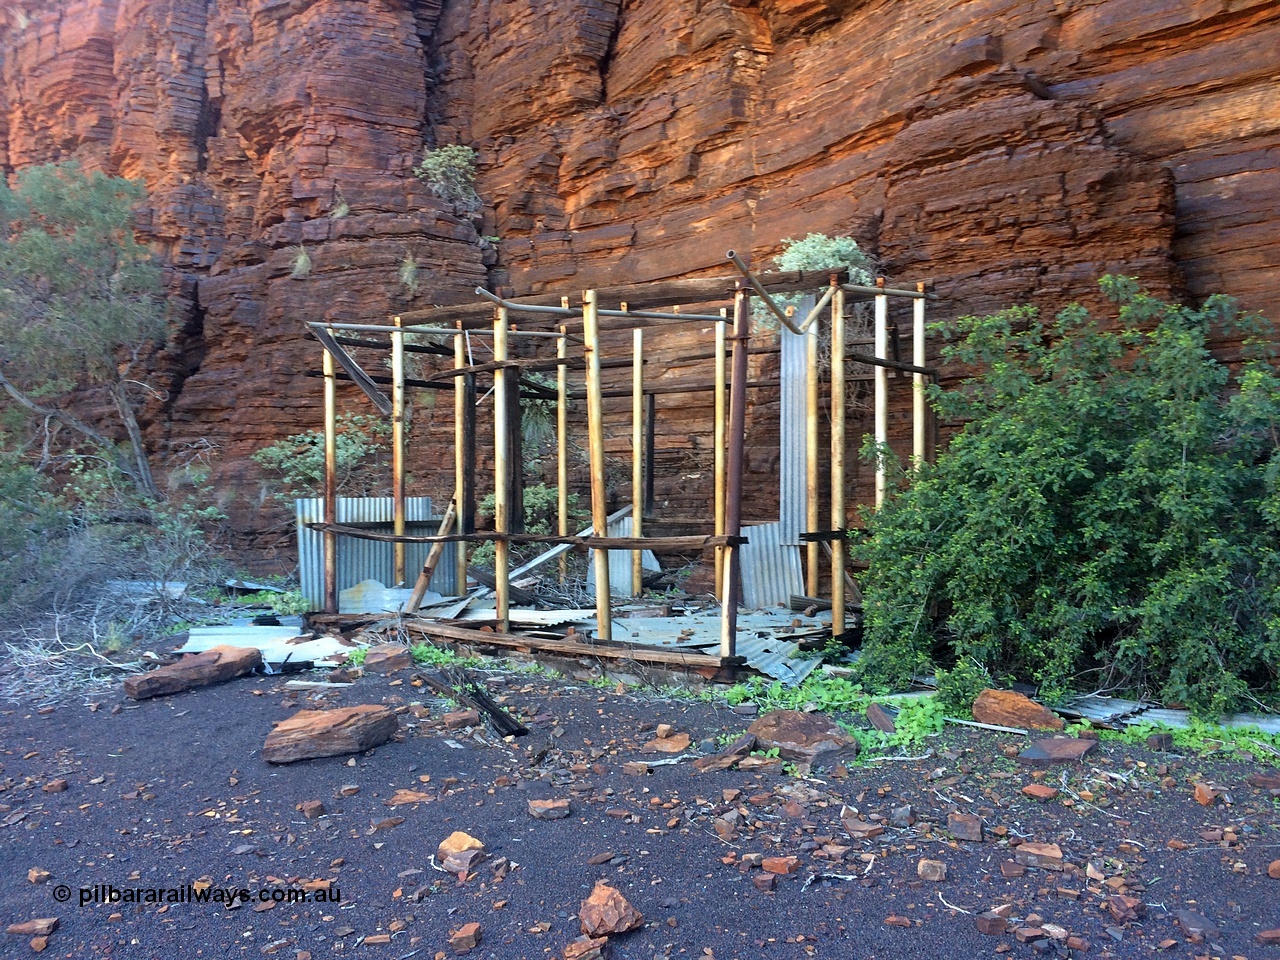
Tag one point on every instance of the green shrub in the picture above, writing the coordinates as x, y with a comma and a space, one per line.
450, 171
960, 686
1107, 518
816, 251
298, 461
541, 516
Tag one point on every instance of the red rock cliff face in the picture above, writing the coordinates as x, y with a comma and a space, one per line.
1004, 151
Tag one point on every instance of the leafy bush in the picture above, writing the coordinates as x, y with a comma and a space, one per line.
541, 516
817, 251
298, 461
960, 686
1106, 518
450, 171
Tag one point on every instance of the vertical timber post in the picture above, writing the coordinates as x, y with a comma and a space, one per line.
882, 388
397, 449
919, 432
562, 441
719, 450
330, 484
837, 464
813, 550
637, 456
734, 468
595, 440
461, 466
501, 466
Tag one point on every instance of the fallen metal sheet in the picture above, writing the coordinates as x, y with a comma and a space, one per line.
370, 596
272, 641
1098, 709
531, 617
761, 639
1180, 719
249, 586
620, 562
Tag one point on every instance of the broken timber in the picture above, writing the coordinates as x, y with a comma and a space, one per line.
702, 664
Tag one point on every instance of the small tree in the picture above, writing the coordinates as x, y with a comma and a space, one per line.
79, 300
450, 171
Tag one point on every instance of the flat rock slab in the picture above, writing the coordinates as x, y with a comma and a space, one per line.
1005, 708
329, 733
1043, 753
216, 665
800, 736
881, 719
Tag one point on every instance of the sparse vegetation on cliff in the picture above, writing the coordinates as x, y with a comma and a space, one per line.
450, 171
1107, 519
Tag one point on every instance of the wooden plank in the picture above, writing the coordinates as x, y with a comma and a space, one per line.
442, 631
637, 296
654, 544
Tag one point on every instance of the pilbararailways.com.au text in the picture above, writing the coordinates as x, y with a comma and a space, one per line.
106, 893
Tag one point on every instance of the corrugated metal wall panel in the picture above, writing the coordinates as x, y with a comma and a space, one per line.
620, 562
791, 460
770, 569
369, 559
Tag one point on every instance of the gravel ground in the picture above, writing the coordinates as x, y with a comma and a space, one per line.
173, 792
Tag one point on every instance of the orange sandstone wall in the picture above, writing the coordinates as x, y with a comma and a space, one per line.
1003, 151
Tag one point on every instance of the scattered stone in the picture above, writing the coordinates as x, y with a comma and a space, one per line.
933, 870
1205, 795
1273, 870
459, 852
1010, 870
215, 665
1043, 753
664, 730
991, 924
782, 866
896, 921
587, 948
39, 875
802, 737
637, 768
1268, 938
674, 744
1029, 934
549, 809
1195, 925
404, 796
1264, 781
1162, 742
34, 928
747, 709
329, 733
903, 816
1116, 934
1046, 855
964, 826
1126, 909
311, 809
607, 912
39, 944
1078, 944
879, 718
598, 858
458, 719
55, 786
1008, 709
1040, 791
387, 658
465, 939
348, 790
765, 881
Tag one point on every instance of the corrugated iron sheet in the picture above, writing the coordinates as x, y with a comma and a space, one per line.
791, 459
770, 569
369, 559
620, 562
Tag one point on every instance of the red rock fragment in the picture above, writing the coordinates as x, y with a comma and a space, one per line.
1205, 795
932, 870
465, 938
387, 658
1273, 870
329, 733
783, 866
1126, 909
1011, 870
991, 924
587, 948
765, 881
800, 736
607, 912
215, 665
1044, 753
1040, 791
55, 786
310, 809
459, 852
457, 719
964, 826
1008, 709
879, 718
1268, 938
34, 928
556, 809
1046, 855
895, 921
